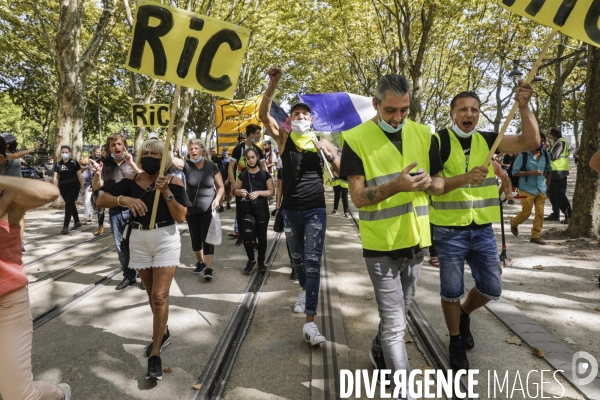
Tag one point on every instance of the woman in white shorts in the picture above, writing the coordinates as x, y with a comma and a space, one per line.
154, 253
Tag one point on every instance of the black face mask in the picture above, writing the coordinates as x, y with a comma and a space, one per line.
12, 146
151, 165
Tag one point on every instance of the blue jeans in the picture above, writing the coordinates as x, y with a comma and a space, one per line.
118, 217
305, 236
478, 248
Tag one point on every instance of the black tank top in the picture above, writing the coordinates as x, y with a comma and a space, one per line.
302, 179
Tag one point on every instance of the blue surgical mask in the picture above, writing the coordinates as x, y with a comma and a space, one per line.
224, 153
65, 156
460, 133
196, 160
119, 158
387, 127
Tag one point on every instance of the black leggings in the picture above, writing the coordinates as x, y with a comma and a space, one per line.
198, 224
70, 194
343, 192
256, 227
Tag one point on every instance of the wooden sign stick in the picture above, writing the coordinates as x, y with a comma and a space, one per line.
513, 111
163, 161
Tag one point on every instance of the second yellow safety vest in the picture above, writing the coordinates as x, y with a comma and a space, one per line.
562, 162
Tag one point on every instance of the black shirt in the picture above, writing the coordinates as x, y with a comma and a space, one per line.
490, 138
200, 184
351, 164
127, 187
67, 172
254, 183
302, 179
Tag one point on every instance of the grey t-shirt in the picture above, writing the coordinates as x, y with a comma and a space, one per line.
11, 168
200, 184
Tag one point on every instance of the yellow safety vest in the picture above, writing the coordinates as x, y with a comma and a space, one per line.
339, 182
402, 220
562, 162
468, 203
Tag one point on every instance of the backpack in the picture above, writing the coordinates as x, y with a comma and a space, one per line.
514, 180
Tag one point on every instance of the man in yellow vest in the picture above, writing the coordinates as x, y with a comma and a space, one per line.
462, 216
392, 166
557, 182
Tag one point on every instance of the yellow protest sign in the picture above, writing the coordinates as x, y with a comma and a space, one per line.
186, 48
232, 118
150, 115
578, 19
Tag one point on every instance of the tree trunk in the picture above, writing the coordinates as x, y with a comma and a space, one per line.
79, 104
585, 219
185, 102
210, 132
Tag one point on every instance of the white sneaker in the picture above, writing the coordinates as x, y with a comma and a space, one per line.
67, 389
300, 303
311, 334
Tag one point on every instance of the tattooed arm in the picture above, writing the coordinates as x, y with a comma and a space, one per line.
363, 196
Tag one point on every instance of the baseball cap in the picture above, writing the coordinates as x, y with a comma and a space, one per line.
300, 105
8, 137
153, 135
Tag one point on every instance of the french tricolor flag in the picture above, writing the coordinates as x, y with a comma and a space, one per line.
337, 112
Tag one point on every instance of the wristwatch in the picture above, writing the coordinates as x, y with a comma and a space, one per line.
170, 197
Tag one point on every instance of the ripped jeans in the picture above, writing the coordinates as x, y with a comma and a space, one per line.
305, 235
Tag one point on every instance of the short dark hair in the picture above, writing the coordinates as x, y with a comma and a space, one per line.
554, 131
250, 129
395, 83
462, 95
65, 146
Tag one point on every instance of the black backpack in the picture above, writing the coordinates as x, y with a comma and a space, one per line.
514, 180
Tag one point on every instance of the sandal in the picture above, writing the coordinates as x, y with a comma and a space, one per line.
434, 262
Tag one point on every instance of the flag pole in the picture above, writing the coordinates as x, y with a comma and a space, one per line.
163, 161
513, 111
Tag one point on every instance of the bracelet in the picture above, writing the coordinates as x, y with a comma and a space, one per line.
267, 97
119, 201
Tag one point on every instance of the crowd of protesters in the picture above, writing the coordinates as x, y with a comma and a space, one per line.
422, 191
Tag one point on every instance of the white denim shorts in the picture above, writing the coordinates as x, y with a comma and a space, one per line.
154, 248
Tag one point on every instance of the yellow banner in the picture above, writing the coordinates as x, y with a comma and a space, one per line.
232, 118
578, 19
186, 48
150, 115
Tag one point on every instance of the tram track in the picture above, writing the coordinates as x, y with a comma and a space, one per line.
214, 377
32, 263
57, 309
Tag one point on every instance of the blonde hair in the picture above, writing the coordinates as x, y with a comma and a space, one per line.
84, 160
157, 146
197, 142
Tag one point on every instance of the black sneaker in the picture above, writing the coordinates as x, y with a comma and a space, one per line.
458, 356
552, 217
221, 209
465, 331
565, 221
249, 267
293, 275
166, 340
199, 268
208, 274
154, 368
65, 230
239, 242
76, 225
262, 267
378, 363
334, 212
228, 206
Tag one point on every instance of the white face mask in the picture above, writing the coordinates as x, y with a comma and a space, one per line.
460, 133
301, 127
